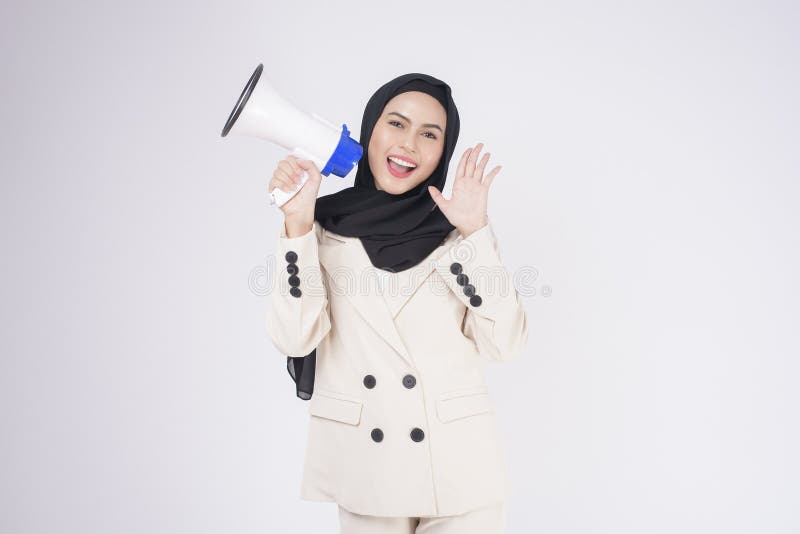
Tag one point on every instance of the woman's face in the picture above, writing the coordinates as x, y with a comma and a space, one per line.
411, 129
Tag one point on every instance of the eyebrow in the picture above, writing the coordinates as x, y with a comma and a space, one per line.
409, 120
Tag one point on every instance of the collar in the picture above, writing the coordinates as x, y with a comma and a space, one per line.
351, 275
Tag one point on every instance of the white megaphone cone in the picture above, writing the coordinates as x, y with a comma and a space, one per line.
261, 112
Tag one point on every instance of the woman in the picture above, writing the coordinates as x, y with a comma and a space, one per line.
387, 280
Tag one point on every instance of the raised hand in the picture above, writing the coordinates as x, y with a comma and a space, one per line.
466, 209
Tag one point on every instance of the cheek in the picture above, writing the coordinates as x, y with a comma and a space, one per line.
375, 157
379, 138
374, 150
432, 161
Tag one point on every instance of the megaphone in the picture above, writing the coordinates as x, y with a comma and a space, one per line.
261, 112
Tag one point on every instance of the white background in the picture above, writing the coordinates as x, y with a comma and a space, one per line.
650, 178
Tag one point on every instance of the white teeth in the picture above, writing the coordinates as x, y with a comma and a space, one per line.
402, 162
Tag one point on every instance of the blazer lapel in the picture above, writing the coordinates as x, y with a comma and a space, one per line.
352, 275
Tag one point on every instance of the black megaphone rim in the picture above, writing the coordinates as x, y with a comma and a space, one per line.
243, 98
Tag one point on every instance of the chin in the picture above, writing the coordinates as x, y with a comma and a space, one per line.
393, 188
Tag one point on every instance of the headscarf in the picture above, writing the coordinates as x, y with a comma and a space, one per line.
396, 231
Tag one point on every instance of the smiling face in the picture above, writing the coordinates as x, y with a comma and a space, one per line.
410, 131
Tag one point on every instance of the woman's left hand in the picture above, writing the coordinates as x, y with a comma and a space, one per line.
466, 209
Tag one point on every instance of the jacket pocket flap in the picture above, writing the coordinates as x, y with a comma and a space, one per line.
463, 403
336, 406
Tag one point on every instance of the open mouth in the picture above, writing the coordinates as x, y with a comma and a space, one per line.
398, 169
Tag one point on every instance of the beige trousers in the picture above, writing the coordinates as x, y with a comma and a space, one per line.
488, 520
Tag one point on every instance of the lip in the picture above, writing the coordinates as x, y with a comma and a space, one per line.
396, 174
404, 158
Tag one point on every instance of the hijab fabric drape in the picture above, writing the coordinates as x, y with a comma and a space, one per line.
396, 231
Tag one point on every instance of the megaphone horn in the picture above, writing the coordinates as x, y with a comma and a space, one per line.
261, 112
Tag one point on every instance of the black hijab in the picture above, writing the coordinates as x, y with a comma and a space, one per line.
397, 231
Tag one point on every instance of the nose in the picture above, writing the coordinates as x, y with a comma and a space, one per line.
410, 141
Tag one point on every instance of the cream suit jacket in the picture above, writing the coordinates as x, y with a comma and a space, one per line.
401, 422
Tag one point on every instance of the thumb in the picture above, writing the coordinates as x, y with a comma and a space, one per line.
436, 195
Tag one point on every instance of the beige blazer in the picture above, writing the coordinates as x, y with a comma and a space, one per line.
401, 422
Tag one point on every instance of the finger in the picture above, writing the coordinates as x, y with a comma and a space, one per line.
275, 184
489, 177
481, 166
473, 157
293, 162
286, 180
462, 165
309, 167
286, 186
291, 170
287, 175
284, 169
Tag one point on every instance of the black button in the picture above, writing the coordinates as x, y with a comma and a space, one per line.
294, 280
291, 256
417, 434
292, 268
455, 268
462, 279
469, 290
475, 300
377, 434
409, 381
369, 381
295, 292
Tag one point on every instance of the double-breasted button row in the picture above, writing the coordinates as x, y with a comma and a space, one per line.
409, 381
463, 280
416, 434
293, 269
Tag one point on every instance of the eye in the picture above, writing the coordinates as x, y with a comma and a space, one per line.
432, 135
395, 122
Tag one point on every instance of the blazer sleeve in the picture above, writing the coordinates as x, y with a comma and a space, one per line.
495, 318
298, 317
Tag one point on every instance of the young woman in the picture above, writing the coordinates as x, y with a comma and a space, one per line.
404, 296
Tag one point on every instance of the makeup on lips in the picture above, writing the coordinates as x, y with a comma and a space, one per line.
399, 166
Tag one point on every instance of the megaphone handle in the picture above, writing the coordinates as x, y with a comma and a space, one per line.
279, 197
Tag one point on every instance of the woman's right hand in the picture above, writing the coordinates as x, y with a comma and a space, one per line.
299, 208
